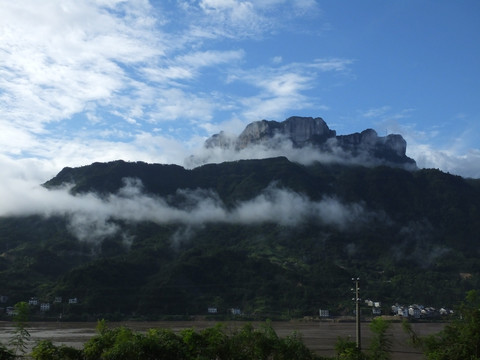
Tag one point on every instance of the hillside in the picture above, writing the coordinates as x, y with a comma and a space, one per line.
269, 237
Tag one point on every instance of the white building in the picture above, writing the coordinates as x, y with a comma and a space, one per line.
33, 301
324, 313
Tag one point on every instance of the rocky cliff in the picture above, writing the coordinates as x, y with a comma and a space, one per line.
303, 132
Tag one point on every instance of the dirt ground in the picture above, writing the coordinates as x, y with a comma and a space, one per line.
318, 336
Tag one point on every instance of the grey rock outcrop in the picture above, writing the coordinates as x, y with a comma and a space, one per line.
314, 132
391, 148
299, 130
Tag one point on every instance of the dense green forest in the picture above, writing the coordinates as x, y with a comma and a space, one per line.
411, 236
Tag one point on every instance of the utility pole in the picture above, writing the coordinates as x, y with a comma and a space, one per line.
357, 312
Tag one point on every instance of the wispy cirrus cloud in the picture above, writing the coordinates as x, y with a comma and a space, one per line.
188, 66
278, 89
243, 19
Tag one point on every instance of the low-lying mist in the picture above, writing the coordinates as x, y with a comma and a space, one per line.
92, 218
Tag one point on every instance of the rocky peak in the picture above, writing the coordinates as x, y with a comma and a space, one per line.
299, 130
302, 130
392, 147
314, 132
220, 140
396, 143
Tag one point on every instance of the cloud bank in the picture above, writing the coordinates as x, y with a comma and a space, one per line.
466, 165
92, 218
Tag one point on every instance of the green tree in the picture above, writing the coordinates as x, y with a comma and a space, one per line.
21, 336
379, 349
381, 343
46, 350
246, 343
347, 350
459, 340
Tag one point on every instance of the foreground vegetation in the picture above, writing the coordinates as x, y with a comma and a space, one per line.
122, 343
246, 343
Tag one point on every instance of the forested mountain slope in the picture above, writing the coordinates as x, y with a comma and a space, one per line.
270, 237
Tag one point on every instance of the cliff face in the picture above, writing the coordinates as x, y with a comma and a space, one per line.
299, 130
391, 148
314, 132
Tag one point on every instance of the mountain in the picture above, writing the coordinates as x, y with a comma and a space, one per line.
271, 237
301, 132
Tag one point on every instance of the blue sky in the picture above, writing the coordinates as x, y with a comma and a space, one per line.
85, 81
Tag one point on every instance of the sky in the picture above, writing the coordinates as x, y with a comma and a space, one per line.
84, 81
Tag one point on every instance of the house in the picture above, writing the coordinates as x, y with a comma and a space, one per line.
212, 310
402, 311
377, 311
444, 311
73, 301
58, 299
33, 301
372, 303
414, 311
44, 307
11, 311
235, 311
3, 299
324, 313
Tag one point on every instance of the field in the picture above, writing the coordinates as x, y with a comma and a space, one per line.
318, 336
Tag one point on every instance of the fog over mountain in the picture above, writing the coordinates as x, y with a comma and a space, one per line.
92, 218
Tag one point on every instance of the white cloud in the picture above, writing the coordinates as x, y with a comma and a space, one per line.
291, 209
283, 88
277, 59
59, 56
466, 165
333, 64
92, 218
376, 112
188, 66
210, 58
246, 19
455, 156
233, 18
